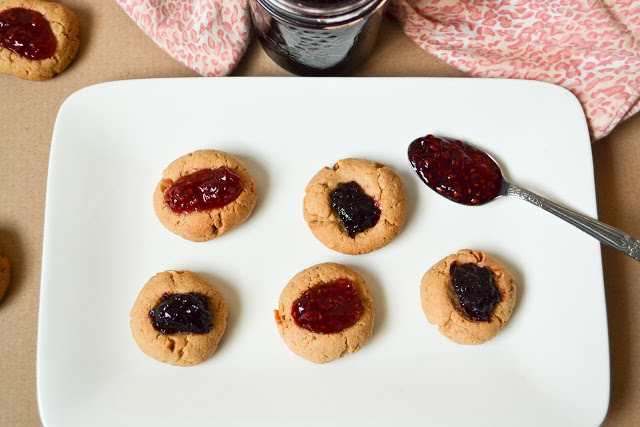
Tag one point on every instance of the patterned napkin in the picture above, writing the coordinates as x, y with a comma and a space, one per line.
209, 36
590, 47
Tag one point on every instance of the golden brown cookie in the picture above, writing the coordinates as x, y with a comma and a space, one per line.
177, 348
205, 224
302, 291
378, 182
64, 28
5, 274
442, 305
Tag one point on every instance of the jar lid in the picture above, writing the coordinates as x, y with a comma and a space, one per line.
323, 6
320, 11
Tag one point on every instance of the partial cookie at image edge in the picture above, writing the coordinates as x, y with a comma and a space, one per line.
5, 275
65, 28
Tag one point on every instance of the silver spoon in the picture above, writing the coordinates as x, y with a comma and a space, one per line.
467, 175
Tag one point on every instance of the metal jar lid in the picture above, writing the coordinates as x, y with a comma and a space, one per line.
320, 13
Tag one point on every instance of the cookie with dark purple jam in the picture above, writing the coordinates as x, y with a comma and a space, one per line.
179, 318
356, 207
469, 295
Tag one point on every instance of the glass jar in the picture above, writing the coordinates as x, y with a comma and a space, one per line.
317, 37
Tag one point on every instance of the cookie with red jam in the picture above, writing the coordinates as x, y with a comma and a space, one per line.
469, 295
179, 318
324, 312
5, 274
356, 207
38, 39
204, 195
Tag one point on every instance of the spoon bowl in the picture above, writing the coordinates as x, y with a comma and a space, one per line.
468, 175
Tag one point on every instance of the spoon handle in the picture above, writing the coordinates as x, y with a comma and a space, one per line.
606, 234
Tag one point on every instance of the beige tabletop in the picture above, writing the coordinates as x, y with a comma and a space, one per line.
113, 48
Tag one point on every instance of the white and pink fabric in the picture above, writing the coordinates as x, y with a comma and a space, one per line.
590, 47
208, 36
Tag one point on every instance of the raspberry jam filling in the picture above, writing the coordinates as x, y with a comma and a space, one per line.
27, 33
203, 190
357, 211
456, 170
182, 313
475, 289
328, 308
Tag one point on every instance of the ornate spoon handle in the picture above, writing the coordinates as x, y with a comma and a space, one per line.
606, 234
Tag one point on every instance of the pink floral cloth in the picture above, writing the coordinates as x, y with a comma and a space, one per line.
209, 36
589, 47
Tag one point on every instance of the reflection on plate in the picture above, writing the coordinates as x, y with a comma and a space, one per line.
102, 242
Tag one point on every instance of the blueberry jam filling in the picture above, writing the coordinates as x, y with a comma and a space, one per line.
328, 308
357, 211
475, 288
182, 313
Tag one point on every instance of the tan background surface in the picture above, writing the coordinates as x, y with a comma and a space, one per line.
113, 48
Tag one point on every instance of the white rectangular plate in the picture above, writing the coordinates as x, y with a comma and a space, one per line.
102, 242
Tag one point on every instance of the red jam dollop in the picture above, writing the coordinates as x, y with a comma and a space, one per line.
475, 289
27, 33
456, 170
328, 308
203, 190
182, 314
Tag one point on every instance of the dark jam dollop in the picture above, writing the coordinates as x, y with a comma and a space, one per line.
357, 211
182, 313
456, 170
475, 289
328, 308
27, 33
204, 189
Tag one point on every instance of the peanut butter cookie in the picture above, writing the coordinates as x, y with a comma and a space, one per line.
5, 274
325, 311
37, 38
179, 318
204, 194
469, 295
355, 207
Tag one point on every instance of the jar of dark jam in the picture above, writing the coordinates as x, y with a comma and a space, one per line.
317, 37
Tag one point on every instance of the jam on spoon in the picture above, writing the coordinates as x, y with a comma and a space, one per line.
456, 170
469, 176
